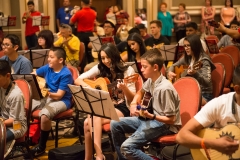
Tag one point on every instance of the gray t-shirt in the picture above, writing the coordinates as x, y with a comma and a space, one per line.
165, 100
12, 106
21, 66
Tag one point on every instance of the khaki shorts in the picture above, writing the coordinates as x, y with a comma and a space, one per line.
49, 107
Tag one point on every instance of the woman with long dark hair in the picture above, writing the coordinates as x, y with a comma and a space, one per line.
110, 66
45, 40
194, 53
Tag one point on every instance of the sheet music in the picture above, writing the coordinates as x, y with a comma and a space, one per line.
95, 43
3, 21
45, 20
100, 101
36, 20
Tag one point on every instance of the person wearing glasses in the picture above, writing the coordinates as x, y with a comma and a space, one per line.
18, 63
194, 53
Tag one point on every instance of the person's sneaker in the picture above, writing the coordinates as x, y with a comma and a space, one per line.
37, 151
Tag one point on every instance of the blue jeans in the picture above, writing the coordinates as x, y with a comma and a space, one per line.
143, 132
10, 135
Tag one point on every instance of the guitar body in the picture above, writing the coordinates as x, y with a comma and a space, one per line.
208, 133
42, 85
100, 83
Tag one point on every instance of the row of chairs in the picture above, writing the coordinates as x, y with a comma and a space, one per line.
27, 93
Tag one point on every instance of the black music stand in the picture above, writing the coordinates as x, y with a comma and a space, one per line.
94, 102
168, 52
32, 80
96, 43
39, 57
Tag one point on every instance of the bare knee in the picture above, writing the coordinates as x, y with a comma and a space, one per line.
45, 119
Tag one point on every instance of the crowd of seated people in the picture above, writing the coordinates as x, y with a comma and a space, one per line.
130, 44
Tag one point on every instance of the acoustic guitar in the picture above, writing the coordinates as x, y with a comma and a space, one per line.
231, 130
104, 83
181, 71
158, 46
42, 85
146, 104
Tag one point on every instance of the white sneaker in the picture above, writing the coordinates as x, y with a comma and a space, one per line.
9, 147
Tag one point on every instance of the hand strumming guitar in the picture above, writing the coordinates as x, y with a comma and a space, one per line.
191, 71
133, 110
171, 75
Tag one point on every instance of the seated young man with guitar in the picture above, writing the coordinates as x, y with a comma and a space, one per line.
147, 123
112, 67
198, 65
223, 111
57, 77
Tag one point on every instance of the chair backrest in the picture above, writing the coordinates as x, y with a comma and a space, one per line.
227, 62
212, 37
27, 94
81, 51
218, 78
74, 71
190, 95
3, 137
232, 51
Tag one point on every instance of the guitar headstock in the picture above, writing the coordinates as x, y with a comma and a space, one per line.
131, 79
197, 65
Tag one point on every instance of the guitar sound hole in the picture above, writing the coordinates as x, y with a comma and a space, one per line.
98, 87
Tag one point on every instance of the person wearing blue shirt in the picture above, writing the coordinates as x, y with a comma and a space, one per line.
63, 13
57, 77
18, 63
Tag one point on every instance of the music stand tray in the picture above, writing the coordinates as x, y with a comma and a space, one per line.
95, 43
94, 102
32, 80
25, 53
168, 52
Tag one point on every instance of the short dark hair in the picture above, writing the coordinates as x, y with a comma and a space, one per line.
236, 75
60, 53
230, 2
157, 22
14, 39
48, 36
234, 22
134, 30
192, 25
141, 26
4, 67
154, 56
86, 1
30, 3
183, 5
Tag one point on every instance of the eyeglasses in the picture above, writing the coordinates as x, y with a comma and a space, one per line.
107, 27
186, 46
6, 45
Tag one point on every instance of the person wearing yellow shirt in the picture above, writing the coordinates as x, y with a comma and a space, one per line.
70, 43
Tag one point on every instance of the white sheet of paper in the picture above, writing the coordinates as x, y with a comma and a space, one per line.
103, 108
36, 20
3, 21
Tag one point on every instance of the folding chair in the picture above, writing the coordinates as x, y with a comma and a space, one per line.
234, 52
218, 79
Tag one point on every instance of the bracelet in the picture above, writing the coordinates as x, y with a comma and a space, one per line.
205, 149
154, 116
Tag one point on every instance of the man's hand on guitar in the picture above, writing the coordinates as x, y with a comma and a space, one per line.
226, 145
171, 75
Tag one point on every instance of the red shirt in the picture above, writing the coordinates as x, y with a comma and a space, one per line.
85, 19
30, 30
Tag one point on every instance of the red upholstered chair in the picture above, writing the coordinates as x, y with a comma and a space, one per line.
27, 93
234, 52
218, 78
212, 37
66, 115
227, 62
106, 127
190, 94
3, 137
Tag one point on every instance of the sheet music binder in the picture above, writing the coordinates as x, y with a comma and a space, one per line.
12, 20
168, 52
45, 20
36, 20
32, 80
120, 19
3, 21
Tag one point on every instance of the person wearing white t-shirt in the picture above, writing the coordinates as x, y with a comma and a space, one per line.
217, 113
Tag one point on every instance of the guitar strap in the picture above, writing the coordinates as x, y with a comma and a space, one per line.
233, 104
